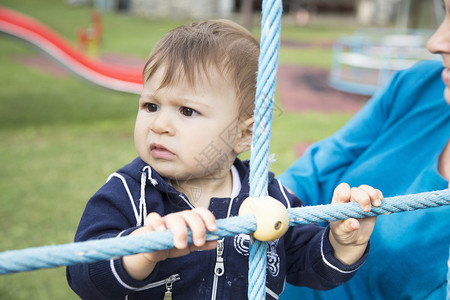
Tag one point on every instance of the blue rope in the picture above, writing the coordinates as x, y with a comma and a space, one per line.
105, 249
92, 251
327, 213
263, 113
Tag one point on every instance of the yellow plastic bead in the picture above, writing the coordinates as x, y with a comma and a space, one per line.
272, 217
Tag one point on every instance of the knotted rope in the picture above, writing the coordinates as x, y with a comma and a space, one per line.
92, 251
259, 160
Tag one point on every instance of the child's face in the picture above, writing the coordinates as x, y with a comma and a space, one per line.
189, 133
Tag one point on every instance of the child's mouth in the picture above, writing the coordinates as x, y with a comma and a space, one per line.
160, 152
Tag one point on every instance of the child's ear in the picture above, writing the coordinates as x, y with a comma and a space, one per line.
244, 139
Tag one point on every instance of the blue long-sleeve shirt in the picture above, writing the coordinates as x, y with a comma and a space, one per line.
392, 144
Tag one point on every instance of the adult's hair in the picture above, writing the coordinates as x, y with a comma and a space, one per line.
190, 50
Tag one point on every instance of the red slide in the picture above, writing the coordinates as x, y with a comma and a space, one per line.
120, 78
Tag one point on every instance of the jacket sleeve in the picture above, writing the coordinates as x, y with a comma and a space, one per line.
312, 263
314, 176
108, 214
310, 257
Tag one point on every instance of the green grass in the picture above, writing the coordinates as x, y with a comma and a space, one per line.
311, 57
314, 34
62, 136
59, 140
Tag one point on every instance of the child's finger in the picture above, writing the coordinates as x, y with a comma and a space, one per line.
155, 222
208, 218
196, 224
375, 195
351, 225
362, 197
177, 224
341, 193
344, 228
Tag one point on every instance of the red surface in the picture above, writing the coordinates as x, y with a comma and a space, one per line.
109, 75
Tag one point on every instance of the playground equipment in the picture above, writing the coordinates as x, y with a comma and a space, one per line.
119, 78
365, 61
89, 39
92, 251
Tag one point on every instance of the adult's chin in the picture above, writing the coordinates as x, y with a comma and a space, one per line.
447, 95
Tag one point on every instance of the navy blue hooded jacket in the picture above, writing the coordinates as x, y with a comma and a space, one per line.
303, 256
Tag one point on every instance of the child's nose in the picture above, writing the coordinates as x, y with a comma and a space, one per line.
163, 123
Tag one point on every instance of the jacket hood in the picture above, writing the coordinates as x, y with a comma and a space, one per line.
162, 184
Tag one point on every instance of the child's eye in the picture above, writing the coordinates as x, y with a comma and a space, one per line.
151, 107
188, 112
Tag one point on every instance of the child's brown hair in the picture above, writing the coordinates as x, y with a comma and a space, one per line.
188, 50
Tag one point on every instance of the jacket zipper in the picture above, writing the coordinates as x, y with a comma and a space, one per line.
219, 268
168, 282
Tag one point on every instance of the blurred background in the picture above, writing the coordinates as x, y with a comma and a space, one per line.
61, 134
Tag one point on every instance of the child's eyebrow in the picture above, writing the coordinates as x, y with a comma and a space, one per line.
191, 102
177, 100
148, 97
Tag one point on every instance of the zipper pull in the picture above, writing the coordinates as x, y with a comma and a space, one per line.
219, 268
168, 295
169, 282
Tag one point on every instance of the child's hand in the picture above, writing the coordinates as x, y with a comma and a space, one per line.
349, 237
198, 220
